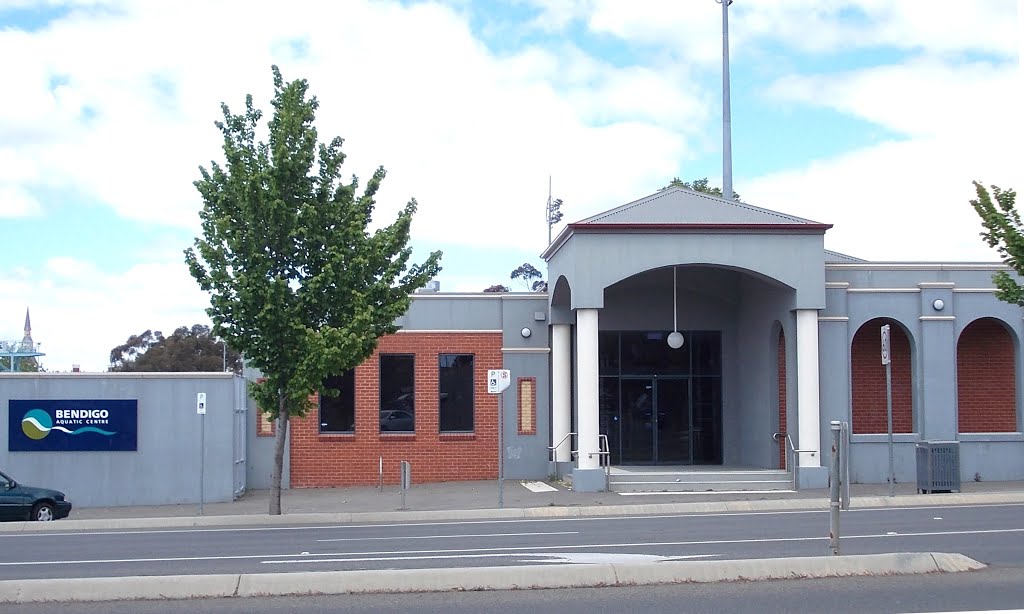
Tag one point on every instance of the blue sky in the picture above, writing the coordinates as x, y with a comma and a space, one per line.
870, 115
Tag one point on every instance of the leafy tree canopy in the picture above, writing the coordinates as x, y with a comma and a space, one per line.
1003, 231
297, 282
187, 349
699, 185
22, 365
497, 288
530, 276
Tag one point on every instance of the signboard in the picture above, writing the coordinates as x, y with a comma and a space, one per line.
72, 426
885, 344
201, 403
498, 380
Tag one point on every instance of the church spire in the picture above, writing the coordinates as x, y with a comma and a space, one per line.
26, 341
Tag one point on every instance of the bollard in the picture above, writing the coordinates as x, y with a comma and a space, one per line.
833, 532
405, 478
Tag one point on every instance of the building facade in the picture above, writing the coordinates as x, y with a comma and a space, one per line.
779, 336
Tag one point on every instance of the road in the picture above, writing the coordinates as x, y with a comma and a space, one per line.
985, 590
992, 534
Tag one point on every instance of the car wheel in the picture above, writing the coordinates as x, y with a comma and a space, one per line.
42, 512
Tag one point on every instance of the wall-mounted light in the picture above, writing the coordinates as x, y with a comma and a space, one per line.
938, 304
526, 332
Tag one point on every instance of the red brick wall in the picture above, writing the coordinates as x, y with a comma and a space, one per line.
782, 398
869, 405
352, 459
986, 383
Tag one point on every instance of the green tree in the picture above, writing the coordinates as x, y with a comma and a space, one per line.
497, 288
23, 365
527, 272
297, 283
187, 349
1004, 231
699, 185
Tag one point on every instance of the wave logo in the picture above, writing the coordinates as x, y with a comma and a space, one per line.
37, 424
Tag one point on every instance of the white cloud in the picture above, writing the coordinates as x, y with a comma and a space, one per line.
15, 201
79, 312
470, 134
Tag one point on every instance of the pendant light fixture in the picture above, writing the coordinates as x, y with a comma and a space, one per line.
675, 338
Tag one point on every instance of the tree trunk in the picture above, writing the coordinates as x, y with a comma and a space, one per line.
275, 480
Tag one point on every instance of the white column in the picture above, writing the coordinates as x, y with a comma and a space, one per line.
586, 389
807, 403
561, 390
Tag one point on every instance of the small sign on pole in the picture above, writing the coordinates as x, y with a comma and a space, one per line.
885, 344
497, 381
201, 403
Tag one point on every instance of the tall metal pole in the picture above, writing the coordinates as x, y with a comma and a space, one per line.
202, 460
888, 406
726, 104
501, 450
548, 214
833, 530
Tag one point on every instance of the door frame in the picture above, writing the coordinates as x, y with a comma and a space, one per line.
653, 381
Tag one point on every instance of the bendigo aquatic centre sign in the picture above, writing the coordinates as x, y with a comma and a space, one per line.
72, 426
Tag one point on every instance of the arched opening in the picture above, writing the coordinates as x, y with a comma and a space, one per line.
870, 414
986, 379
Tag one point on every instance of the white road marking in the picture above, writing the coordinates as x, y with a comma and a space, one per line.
403, 538
505, 549
703, 492
583, 558
539, 487
495, 521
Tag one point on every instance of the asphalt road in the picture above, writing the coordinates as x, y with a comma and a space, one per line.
990, 589
991, 534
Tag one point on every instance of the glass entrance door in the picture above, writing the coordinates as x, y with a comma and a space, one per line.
656, 421
674, 423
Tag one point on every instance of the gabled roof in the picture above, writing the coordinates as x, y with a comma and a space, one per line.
679, 210
675, 206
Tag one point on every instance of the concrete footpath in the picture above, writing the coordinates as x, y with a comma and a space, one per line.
454, 501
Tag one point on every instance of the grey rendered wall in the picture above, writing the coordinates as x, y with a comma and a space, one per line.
906, 293
593, 262
166, 467
526, 456
260, 450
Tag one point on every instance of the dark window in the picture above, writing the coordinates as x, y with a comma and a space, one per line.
646, 353
338, 413
455, 377
397, 385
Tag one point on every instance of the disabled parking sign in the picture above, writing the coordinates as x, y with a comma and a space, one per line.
498, 380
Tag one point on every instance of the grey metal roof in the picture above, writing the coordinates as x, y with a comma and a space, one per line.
835, 257
681, 206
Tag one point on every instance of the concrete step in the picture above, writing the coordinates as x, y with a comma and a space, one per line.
694, 486
652, 479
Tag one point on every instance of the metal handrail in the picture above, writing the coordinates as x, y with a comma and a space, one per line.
605, 459
792, 462
551, 449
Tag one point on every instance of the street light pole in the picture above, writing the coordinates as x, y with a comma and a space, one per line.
726, 104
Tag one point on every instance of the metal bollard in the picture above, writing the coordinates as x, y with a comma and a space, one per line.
834, 473
405, 477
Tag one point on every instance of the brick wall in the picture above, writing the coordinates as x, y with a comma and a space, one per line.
869, 405
782, 398
352, 459
986, 383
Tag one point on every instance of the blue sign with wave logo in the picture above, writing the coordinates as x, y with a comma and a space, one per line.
72, 426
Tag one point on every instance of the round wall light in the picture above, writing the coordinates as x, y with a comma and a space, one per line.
938, 304
526, 332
